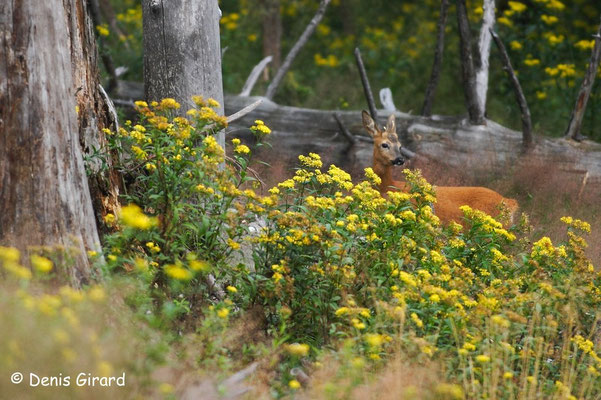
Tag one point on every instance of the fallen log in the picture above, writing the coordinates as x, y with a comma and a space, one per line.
449, 140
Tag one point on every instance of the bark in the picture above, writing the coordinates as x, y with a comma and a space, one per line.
476, 114
277, 79
44, 194
272, 32
527, 139
575, 124
435, 75
484, 42
182, 55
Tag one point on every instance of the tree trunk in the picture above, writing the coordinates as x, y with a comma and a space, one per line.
182, 52
48, 103
488, 22
436, 66
272, 32
476, 114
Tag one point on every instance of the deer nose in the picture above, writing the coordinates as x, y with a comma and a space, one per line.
398, 161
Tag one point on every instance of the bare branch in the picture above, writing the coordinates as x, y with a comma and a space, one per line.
366, 87
254, 75
476, 114
273, 86
435, 75
352, 139
246, 110
575, 125
527, 139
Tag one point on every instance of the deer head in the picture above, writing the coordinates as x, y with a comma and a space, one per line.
387, 148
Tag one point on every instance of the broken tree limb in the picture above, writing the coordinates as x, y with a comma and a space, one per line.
254, 75
277, 79
575, 124
527, 139
476, 114
484, 42
386, 100
438, 53
244, 111
351, 138
366, 87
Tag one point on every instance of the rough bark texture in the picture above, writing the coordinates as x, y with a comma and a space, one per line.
476, 114
575, 125
445, 140
182, 52
527, 139
272, 32
437, 64
484, 42
45, 73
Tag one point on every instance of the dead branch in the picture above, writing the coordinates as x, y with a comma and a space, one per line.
352, 139
254, 75
386, 100
435, 75
249, 169
366, 87
277, 79
476, 114
527, 139
575, 124
246, 110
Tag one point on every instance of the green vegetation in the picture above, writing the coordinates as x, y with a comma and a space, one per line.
549, 41
341, 281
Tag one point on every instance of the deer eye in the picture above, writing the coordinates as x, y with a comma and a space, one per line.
385, 145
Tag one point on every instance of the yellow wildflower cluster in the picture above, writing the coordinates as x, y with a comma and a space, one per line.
132, 216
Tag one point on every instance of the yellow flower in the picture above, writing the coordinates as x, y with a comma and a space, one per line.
242, 149
483, 359
508, 375
102, 30
504, 21
213, 103
235, 141
232, 289
517, 6
515, 45
109, 218
294, 384
541, 95
169, 103
223, 313
132, 216
549, 19
41, 264
531, 62
177, 272
298, 349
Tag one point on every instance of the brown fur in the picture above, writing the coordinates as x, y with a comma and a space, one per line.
449, 198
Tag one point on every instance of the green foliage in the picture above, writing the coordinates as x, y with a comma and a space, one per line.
336, 262
549, 42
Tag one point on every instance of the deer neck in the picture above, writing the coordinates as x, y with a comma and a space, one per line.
384, 171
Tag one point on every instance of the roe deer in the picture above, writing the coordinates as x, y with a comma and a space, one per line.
387, 154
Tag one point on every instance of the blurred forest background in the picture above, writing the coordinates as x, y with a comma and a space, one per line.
549, 41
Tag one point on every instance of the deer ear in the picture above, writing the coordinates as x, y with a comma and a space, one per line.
390, 125
369, 124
